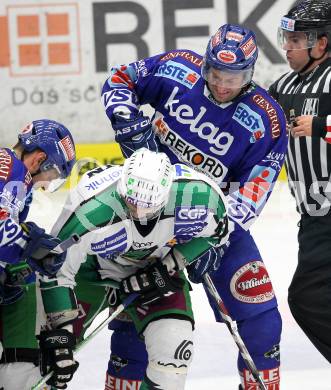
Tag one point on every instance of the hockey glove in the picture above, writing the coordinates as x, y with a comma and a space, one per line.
37, 252
153, 283
8, 293
208, 261
134, 133
56, 354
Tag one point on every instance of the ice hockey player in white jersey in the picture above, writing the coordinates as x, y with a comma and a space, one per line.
140, 225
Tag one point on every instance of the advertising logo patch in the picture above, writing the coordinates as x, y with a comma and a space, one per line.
43, 39
227, 56
251, 120
111, 246
271, 112
248, 48
188, 153
251, 283
287, 24
178, 72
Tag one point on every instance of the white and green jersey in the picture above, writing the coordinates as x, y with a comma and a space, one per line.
114, 246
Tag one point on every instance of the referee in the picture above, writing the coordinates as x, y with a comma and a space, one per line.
305, 95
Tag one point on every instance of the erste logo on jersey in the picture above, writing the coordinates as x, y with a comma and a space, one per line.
188, 153
110, 247
251, 120
185, 114
178, 72
251, 283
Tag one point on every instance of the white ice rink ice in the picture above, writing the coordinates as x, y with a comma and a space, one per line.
214, 364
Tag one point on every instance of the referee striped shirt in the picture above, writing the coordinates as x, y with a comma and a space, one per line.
308, 161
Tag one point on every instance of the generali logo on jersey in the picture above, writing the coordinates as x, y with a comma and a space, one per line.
40, 39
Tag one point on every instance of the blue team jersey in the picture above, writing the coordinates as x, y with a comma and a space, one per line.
239, 144
15, 198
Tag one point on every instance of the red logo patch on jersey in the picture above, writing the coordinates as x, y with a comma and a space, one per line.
227, 56
251, 283
248, 48
67, 148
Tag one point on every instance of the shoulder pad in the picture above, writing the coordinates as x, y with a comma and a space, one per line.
97, 180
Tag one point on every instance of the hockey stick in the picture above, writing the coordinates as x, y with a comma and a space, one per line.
126, 302
232, 326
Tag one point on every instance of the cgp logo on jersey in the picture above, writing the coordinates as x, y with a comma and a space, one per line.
251, 283
189, 221
178, 72
251, 120
42, 39
111, 246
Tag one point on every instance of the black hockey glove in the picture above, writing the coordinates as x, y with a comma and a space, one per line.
37, 252
56, 354
134, 133
153, 283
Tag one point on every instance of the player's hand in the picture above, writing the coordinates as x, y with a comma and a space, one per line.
152, 283
56, 354
304, 125
209, 262
134, 133
37, 252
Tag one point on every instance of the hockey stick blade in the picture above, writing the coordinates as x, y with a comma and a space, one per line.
126, 302
232, 326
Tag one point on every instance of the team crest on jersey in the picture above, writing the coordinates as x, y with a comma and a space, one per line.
188, 153
251, 283
251, 120
178, 72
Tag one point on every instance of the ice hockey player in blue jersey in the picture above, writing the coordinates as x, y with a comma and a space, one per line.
211, 115
43, 157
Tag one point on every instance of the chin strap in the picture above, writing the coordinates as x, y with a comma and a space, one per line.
311, 60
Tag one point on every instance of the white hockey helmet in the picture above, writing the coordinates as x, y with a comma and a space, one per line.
145, 183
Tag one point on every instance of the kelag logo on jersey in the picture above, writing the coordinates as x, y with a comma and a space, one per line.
111, 246
189, 221
251, 120
178, 72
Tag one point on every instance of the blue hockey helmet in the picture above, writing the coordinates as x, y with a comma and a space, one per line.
56, 141
232, 49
